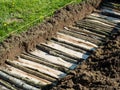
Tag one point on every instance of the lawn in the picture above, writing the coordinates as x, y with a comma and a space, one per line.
19, 15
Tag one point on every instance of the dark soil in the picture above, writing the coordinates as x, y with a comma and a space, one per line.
14, 45
100, 72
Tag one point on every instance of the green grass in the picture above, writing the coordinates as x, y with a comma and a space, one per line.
19, 15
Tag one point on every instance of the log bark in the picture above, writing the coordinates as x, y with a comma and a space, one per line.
49, 50
91, 28
7, 85
68, 46
92, 34
26, 80
72, 33
33, 72
45, 62
17, 82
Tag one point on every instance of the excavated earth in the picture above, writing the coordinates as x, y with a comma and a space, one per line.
76, 49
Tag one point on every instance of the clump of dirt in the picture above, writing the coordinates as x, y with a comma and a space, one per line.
14, 45
100, 71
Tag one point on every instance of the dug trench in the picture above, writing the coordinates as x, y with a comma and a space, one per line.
42, 57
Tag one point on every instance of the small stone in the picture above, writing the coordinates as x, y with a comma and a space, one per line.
72, 73
70, 84
83, 66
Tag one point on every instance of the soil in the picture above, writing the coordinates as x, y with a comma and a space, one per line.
100, 72
14, 45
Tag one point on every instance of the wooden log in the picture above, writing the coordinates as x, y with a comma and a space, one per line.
82, 35
68, 46
91, 28
85, 31
85, 45
110, 24
17, 82
28, 78
72, 53
45, 62
101, 20
98, 26
76, 35
81, 32
59, 54
103, 23
54, 54
7, 85
33, 72
112, 5
73, 45
110, 12
108, 18
49, 50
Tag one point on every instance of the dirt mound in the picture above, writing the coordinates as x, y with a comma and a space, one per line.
100, 71
107, 58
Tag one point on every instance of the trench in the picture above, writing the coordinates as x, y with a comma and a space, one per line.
52, 60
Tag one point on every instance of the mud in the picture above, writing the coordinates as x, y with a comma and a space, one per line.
14, 45
100, 72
